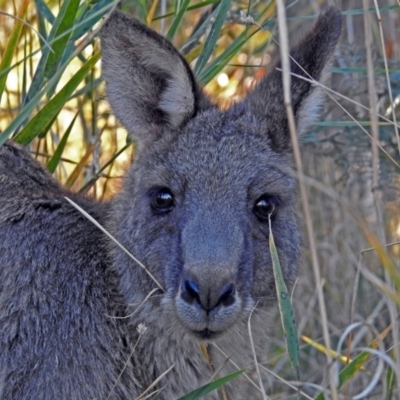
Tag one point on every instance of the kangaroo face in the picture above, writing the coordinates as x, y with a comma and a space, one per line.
196, 202
205, 193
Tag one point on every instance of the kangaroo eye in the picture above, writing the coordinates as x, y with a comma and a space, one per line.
162, 200
265, 206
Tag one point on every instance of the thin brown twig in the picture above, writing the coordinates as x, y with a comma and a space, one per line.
373, 248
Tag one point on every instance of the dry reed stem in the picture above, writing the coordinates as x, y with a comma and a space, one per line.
287, 383
237, 367
155, 382
284, 50
253, 350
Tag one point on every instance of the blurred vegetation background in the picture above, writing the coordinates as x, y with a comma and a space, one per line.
52, 100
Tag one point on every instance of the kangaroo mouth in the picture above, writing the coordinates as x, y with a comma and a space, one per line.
207, 325
207, 334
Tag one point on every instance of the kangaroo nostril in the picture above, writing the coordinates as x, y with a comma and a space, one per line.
190, 291
227, 297
191, 287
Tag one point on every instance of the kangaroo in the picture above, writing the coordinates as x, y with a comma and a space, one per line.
79, 318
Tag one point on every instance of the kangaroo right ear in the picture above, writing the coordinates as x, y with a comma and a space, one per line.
310, 59
149, 84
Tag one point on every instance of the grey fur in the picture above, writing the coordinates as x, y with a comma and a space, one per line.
64, 285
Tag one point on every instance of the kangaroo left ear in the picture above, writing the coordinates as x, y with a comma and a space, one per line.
149, 84
311, 59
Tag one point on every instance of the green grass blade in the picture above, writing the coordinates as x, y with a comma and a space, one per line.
358, 362
27, 109
23, 115
88, 88
177, 20
11, 47
352, 368
66, 18
86, 18
349, 371
45, 11
39, 76
200, 392
285, 308
200, 30
142, 13
90, 17
39, 122
190, 8
41, 22
391, 383
213, 36
56, 157
219, 63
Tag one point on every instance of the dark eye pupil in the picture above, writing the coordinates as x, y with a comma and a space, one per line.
265, 206
162, 200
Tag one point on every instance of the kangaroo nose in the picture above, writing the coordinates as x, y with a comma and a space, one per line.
190, 291
208, 298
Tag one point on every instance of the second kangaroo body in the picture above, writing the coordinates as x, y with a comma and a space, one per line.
79, 318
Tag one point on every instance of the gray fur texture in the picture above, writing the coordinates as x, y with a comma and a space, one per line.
193, 209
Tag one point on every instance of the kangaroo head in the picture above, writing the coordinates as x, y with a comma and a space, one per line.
195, 204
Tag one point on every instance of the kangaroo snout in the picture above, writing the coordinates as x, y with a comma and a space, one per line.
213, 247
208, 300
